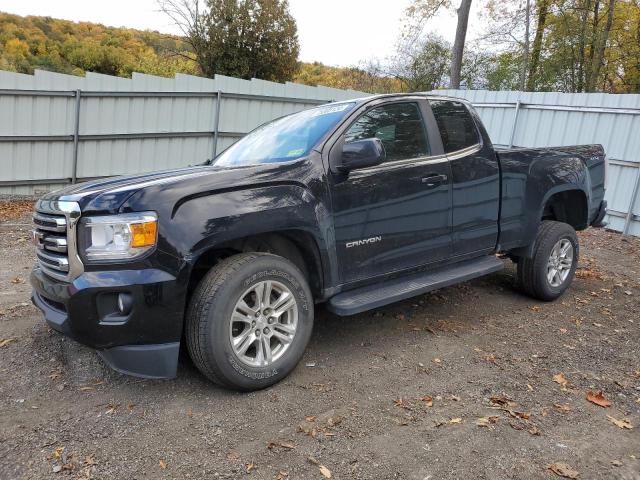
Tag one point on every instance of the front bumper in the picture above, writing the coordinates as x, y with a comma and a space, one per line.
143, 342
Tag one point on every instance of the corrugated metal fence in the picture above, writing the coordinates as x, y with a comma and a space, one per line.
56, 129
527, 119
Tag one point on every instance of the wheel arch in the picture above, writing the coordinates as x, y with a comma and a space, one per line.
296, 245
568, 205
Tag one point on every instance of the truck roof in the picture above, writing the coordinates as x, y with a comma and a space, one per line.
404, 94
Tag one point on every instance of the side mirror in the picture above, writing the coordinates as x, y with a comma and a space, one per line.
362, 153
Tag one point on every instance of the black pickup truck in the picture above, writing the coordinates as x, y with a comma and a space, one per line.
354, 204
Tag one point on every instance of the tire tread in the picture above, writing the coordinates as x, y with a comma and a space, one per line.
528, 271
199, 307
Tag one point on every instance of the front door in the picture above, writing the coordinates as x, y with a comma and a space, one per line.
396, 215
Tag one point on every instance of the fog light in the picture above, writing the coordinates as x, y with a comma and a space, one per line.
125, 302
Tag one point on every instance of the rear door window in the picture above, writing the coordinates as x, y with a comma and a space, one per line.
457, 128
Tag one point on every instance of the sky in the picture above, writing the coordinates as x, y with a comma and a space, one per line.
334, 32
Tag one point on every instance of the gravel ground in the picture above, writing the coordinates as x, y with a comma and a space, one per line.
472, 381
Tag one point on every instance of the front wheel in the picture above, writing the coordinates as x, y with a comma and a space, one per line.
549, 273
249, 321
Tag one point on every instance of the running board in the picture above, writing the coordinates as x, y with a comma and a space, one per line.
380, 294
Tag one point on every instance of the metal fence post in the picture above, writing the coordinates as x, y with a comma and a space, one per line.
216, 124
76, 132
515, 124
634, 196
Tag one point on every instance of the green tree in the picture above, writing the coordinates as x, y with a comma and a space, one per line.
239, 38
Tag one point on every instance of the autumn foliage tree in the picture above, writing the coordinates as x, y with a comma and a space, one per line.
577, 45
27, 43
239, 38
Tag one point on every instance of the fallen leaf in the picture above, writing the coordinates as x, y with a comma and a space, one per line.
534, 430
112, 407
15, 209
282, 475
620, 423
456, 420
250, 466
310, 418
326, 473
287, 445
233, 455
560, 379
563, 470
401, 403
86, 389
335, 420
437, 360
562, 408
486, 421
6, 341
428, 400
57, 453
90, 461
16, 280
514, 414
163, 464
189, 412
598, 399
502, 400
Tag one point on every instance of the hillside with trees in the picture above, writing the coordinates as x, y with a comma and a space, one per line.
535, 45
29, 43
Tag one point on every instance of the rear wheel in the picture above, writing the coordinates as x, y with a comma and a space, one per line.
551, 269
249, 321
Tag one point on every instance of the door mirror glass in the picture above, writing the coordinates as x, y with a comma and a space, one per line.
361, 154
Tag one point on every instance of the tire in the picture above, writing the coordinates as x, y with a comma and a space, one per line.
211, 332
534, 273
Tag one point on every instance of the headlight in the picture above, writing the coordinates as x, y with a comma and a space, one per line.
118, 237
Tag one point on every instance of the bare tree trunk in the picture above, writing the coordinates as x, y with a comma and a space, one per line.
600, 46
525, 59
543, 10
594, 43
582, 46
458, 44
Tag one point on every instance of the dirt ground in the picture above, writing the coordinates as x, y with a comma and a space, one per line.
462, 383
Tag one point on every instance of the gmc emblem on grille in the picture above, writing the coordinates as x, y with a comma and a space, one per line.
366, 241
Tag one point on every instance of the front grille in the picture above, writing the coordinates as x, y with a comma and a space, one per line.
54, 237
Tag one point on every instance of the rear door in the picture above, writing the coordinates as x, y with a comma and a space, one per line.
396, 215
475, 177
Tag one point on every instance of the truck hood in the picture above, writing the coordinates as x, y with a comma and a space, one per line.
108, 195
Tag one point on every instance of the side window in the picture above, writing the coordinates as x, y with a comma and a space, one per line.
457, 128
399, 126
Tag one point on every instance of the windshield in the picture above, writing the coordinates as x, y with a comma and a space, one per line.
285, 139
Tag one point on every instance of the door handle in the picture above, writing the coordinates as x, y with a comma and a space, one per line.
433, 180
